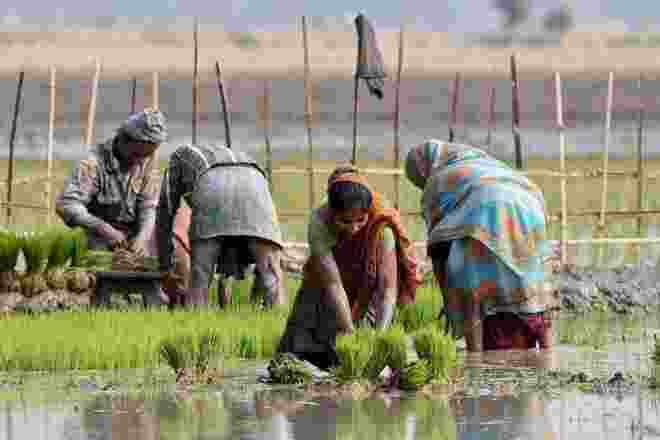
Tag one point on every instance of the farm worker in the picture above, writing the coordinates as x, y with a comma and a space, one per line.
361, 264
113, 192
234, 223
486, 230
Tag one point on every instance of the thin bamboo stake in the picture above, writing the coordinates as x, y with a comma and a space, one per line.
606, 155
641, 183
562, 166
155, 90
223, 101
12, 138
516, 113
195, 82
133, 92
453, 109
51, 141
91, 115
491, 115
308, 115
356, 90
267, 126
397, 122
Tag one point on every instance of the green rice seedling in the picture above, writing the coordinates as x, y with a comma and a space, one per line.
412, 317
9, 250
208, 347
79, 247
247, 346
439, 350
354, 352
414, 375
58, 258
389, 349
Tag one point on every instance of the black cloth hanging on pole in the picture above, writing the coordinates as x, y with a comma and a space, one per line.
370, 66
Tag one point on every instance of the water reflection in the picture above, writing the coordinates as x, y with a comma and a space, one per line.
501, 397
296, 415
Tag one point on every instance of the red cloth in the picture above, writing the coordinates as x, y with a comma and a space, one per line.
506, 331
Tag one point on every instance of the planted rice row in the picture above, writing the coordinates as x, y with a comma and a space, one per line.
116, 339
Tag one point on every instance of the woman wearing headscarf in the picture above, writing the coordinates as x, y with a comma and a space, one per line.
487, 240
113, 193
361, 264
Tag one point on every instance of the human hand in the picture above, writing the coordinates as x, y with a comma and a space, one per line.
114, 237
170, 281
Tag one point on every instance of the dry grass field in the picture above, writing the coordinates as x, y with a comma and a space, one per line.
332, 54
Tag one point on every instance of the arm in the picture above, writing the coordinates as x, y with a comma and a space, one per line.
383, 301
147, 200
324, 268
80, 188
327, 272
168, 204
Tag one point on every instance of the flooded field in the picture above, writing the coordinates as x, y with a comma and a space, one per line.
496, 396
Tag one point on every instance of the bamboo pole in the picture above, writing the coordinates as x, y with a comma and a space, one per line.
223, 102
267, 126
397, 121
606, 155
91, 115
562, 166
308, 115
491, 115
195, 81
51, 141
155, 90
133, 92
453, 109
641, 183
516, 113
12, 138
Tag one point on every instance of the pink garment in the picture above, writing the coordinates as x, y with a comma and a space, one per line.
181, 226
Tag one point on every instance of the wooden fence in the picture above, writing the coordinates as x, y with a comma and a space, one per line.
264, 107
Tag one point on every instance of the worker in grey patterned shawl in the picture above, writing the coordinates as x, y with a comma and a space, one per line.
234, 222
113, 192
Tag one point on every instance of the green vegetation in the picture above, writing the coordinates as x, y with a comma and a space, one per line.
100, 339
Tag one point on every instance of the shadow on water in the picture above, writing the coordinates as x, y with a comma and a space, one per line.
500, 395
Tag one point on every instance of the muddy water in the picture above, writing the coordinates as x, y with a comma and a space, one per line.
503, 396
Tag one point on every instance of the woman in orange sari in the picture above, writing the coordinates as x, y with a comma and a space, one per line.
361, 265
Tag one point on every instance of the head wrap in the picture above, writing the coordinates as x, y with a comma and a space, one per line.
146, 126
350, 173
423, 158
419, 162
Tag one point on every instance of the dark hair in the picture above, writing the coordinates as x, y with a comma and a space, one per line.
349, 195
123, 138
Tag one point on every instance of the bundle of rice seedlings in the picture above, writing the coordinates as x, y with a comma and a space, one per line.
36, 248
354, 352
187, 351
389, 349
9, 251
98, 260
285, 368
79, 280
439, 350
414, 375
58, 258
